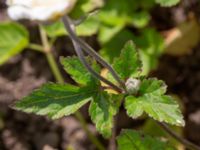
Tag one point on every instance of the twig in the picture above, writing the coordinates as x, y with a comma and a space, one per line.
70, 28
185, 142
88, 49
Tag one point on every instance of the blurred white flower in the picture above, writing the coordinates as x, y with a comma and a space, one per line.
40, 10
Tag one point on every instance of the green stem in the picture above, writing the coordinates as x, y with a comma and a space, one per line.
90, 135
50, 58
54, 67
36, 47
88, 49
57, 74
173, 134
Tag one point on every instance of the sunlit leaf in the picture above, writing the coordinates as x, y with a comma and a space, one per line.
55, 100
78, 72
128, 64
102, 110
152, 100
13, 39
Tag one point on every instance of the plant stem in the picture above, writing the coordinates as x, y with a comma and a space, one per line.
57, 74
91, 136
54, 67
36, 47
50, 58
70, 28
78, 43
185, 142
88, 49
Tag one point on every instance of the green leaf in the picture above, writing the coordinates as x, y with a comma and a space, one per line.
87, 28
124, 13
55, 100
82, 7
147, 4
113, 46
140, 19
13, 39
167, 2
106, 33
102, 110
152, 85
117, 14
128, 64
150, 126
151, 45
55, 30
78, 72
133, 140
152, 100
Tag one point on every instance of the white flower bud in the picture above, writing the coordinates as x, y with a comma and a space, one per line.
132, 85
40, 10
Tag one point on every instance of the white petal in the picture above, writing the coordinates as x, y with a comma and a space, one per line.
48, 13
18, 12
40, 10
26, 3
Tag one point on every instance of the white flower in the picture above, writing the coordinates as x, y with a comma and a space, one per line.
40, 10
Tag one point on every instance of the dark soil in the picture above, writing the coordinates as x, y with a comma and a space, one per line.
29, 70
182, 76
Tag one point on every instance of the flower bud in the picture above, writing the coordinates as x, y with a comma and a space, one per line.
132, 85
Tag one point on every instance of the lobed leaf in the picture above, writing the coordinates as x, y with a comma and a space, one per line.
153, 101
128, 64
55, 100
133, 140
78, 72
14, 38
102, 110
152, 85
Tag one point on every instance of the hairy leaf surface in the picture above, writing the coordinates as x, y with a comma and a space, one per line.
153, 101
128, 64
78, 72
55, 100
102, 110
